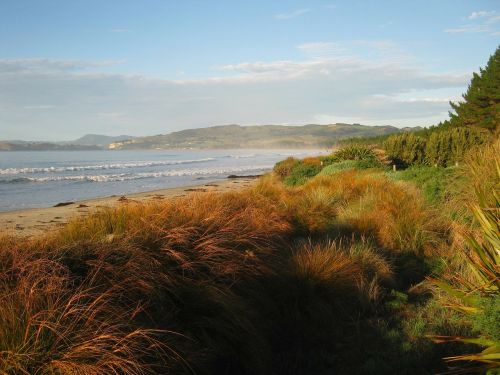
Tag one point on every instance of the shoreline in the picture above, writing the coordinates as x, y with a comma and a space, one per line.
36, 221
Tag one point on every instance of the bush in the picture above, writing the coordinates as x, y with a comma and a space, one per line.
448, 147
350, 164
328, 160
354, 152
338, 167
431, 180
406, 149
284, 168
301, 173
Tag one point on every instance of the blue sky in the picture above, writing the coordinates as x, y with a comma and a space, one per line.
146, 67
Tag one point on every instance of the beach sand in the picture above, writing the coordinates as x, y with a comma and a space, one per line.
36, 221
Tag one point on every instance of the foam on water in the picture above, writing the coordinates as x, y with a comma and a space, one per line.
142, 164
137, 176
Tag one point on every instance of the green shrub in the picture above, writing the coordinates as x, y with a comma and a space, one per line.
328, 160
301, 173
350, 164
431, 180
487, 320
406, 149
338, 167
449, 146
369, 163
354, 152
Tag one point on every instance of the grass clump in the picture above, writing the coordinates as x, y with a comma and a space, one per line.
354, 152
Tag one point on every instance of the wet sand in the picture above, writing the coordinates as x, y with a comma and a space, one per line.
35, 221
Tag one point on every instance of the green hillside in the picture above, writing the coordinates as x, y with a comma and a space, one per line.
261, 136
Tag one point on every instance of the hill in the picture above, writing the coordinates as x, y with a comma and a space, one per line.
44, 146
98, 140
87, 142
256, 136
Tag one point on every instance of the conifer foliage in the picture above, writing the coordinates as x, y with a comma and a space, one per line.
406, 148
481, 105
447, 147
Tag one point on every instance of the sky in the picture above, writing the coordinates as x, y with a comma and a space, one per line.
146, 67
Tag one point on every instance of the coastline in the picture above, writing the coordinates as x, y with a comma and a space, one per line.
36, 221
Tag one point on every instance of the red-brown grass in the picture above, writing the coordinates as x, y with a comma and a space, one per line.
50, 326
102, 295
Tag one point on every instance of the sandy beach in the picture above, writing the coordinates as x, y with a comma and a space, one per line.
36, 221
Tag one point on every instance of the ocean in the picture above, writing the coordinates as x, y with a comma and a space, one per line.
45, 178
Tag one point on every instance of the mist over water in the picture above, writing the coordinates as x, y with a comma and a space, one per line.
44, 178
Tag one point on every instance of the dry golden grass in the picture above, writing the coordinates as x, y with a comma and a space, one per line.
399, 219
326, 264
311, 160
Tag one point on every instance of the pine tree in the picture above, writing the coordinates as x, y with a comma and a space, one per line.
481, 105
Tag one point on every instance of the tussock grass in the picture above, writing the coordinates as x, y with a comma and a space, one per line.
270, 280
399, 219
50, 325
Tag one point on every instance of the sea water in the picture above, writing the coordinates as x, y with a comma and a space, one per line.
31, 179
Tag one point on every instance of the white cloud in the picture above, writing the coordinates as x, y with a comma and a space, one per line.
51, 66
321, 48
290, 15
83, 99
482, 22
481, 14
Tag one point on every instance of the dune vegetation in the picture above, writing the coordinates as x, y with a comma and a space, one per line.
336, 264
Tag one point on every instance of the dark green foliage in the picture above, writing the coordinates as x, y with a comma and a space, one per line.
301, 173
448, 147
406, 149
328, 160
487, 320
369, 163
397, 300
367, 141
354, 152
481, 105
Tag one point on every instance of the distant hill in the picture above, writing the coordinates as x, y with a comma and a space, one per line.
97, 140
43, 146
255, 136
87, 142
216, 137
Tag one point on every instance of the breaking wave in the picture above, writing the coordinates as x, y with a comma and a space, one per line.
76, 168
135, 176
